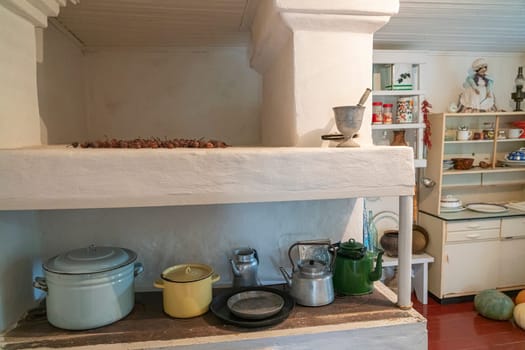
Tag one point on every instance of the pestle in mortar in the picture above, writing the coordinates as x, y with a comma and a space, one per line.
348, 120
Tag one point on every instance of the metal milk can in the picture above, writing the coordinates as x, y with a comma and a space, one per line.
244, 265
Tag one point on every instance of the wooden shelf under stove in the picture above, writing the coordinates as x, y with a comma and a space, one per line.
148, 327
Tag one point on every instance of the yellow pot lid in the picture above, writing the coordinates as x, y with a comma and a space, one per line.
187, 273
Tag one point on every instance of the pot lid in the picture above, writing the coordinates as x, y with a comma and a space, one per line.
312, 268
187, 273
352, 249
352, 245
92, 259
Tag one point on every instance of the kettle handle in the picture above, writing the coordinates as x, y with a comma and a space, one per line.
332, 250
325, 242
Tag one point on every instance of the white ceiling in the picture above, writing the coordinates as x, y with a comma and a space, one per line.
443, 25
456, 25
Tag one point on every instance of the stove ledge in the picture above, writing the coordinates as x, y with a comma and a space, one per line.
62, 177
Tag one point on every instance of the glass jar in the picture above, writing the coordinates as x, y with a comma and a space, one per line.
404, 110
377, 112
488, 131
387, 113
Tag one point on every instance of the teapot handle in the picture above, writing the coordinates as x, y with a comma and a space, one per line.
296, 244
333, 253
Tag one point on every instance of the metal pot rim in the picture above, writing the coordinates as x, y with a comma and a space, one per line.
131, 257
206, 271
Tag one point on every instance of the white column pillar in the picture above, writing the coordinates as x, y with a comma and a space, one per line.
314, 55
19, 115
405, 252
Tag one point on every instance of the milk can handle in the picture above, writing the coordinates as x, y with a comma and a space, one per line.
306, 243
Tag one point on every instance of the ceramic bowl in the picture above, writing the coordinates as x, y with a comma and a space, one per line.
463, 163
517, 155
450, 202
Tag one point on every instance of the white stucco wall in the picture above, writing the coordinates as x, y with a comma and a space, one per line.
174, 93
444, 73
19, 118
166, 236
61, 92
20, 251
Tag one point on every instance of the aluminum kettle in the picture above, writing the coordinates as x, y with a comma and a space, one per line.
245, 264
311, 282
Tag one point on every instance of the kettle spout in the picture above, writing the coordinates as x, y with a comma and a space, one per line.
235, 269
286, 276
378, 271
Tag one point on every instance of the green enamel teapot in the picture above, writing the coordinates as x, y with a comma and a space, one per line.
354, 271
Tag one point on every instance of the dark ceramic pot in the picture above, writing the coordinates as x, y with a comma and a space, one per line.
389, 241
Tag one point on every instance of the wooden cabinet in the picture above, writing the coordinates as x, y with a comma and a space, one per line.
496, 182
512, 252
469, 259
469, 267
475, 254
474, 251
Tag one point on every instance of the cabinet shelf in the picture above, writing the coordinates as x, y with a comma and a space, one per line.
511, 140
397, 92
484, 114
471, 142
398, 126
483, 171
385, 77
467, 142
500, 183
481, 185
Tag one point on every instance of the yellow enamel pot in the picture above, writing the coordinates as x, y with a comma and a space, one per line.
187, 289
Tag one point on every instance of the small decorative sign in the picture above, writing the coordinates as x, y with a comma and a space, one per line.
401, 77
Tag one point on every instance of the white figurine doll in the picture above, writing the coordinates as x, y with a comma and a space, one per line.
478, 93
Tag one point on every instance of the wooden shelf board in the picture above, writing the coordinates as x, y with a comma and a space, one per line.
503, 184
397, 92
148, 327
398, 126
483, 171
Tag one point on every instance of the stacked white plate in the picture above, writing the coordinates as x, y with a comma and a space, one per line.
448, 164
514, 163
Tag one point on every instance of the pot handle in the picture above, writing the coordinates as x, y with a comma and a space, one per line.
40, 283
159, 284
138, 269
215, 277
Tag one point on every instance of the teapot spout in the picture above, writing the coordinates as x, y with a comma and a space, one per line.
378, 271
235, 269
286, 276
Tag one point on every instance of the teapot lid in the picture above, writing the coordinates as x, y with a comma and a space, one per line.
352, 249
311, 268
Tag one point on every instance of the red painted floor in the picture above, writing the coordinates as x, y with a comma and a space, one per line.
459, 327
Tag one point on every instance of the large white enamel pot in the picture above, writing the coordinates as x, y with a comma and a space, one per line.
89, 287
